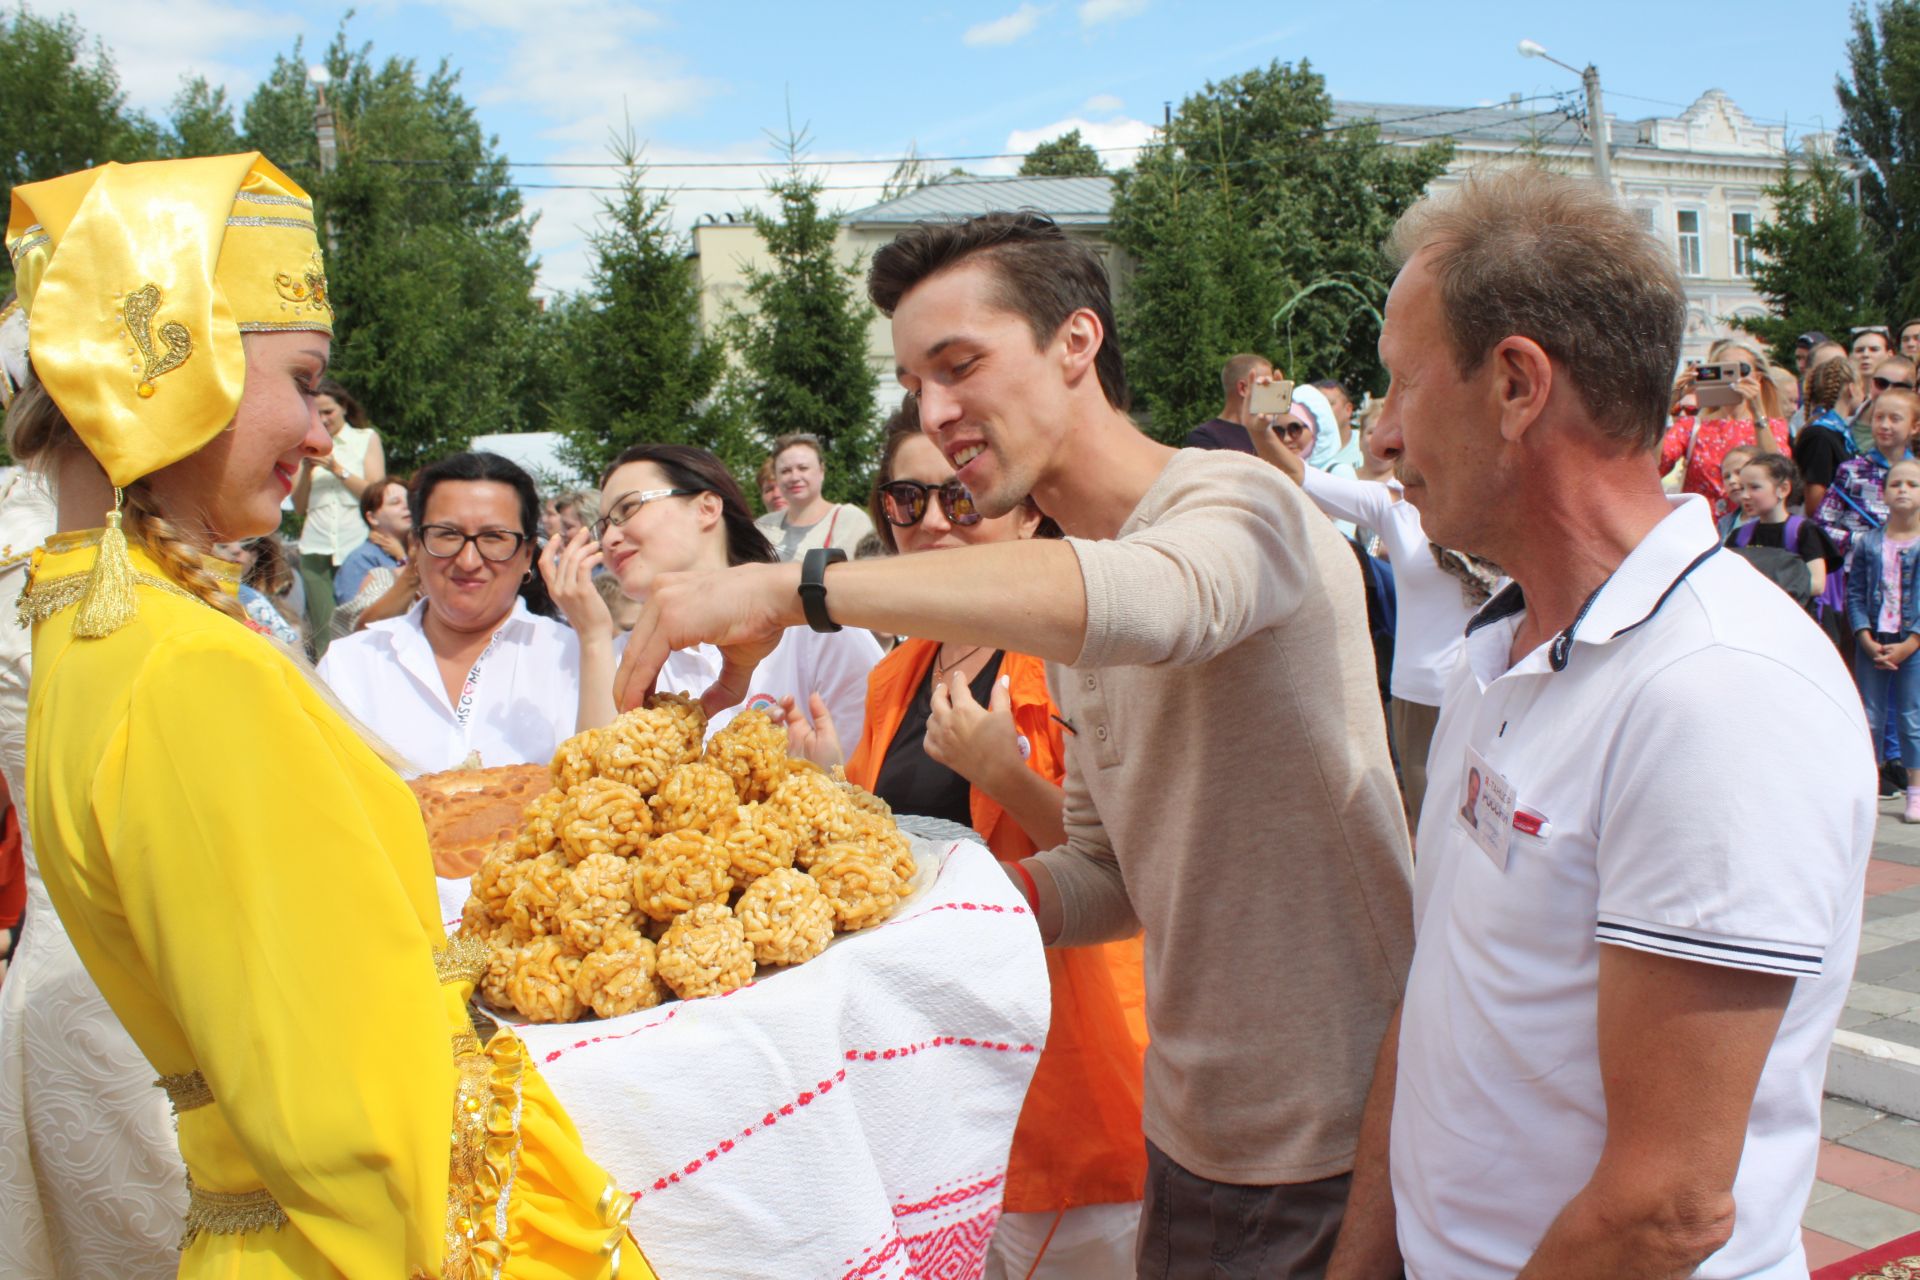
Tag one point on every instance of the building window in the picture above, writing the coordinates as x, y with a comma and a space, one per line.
1692, 261
1743, 244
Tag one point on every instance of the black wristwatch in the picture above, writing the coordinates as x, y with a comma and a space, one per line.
813, 585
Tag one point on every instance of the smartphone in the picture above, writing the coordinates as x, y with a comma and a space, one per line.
1718, 385
1273, 398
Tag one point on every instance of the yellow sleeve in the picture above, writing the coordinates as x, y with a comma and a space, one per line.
252, 858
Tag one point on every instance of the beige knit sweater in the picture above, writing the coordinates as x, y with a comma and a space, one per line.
1229, 789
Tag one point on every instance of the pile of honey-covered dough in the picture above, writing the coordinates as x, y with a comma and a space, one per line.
656, 868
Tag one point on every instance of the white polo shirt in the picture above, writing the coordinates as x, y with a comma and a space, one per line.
1640, 739
521, 700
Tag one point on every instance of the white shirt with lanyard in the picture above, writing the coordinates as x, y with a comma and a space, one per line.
1597, 793
518, 703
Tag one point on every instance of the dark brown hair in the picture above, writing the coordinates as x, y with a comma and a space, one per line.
1044, 276
690, 467
1557, 259
356, 414
1778, 466
902, 425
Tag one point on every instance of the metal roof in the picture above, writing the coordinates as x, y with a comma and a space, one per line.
1468, 124
1068, 201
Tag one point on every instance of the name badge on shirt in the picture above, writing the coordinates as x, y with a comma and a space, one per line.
1486, 807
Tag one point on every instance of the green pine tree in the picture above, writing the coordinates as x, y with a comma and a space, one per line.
1814, 262
1880, 129
1255, 224
803, 339
639, 370
1067, 156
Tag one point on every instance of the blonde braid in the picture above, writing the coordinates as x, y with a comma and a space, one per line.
177, 554
1828, 379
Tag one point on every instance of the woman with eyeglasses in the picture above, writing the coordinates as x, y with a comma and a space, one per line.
1700, 435
973, 736
469, 675
671, 508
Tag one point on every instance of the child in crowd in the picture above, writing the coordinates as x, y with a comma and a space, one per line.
1737, 457
1825, 441
1765, 486
1854, 504
1885, 617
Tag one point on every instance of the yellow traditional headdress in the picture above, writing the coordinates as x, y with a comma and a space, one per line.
138, 280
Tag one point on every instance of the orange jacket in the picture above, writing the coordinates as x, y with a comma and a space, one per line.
1078, 1141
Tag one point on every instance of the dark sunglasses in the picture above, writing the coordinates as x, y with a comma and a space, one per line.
1888, 384
1288, 430
904, 503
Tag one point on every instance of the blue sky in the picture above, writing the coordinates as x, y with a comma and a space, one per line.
702, 82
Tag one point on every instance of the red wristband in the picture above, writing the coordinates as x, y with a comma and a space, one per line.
1032, 890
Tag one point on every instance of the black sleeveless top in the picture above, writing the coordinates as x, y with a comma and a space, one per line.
912, 782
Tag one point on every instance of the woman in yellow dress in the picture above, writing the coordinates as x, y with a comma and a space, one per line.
243, 875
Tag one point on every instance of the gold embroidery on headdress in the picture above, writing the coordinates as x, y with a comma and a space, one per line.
137, 313
307, 290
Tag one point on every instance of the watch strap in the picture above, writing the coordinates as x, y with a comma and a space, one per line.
813, 586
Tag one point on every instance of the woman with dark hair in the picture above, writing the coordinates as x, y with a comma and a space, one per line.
469, 674
972, 735
327, 494
671, 508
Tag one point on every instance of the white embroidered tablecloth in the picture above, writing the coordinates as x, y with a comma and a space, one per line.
849, 1117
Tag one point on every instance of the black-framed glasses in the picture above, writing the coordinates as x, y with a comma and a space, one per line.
905, 502
627, 506
444, 542
1888, 384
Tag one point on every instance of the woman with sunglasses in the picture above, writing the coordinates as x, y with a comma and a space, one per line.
672, 508
972, 735
469, 675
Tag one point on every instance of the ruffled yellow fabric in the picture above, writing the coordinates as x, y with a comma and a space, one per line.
251, 888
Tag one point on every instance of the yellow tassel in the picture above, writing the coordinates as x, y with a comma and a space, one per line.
109, 602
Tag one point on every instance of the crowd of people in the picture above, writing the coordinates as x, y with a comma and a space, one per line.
1204, 704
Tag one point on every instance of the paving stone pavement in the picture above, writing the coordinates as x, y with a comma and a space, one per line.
1867, 1190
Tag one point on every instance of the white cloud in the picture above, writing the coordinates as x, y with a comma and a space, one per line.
1015, 26
1095, 12
1118, 141
1101, 104
155, 45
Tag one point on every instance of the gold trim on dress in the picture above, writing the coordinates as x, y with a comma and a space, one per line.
41, 600
186, 1091
229, 1213
461, 960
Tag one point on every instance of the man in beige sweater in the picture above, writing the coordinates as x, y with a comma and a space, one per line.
1228, 784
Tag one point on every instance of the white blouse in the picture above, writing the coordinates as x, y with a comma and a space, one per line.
832, 664
520, 702
333, 525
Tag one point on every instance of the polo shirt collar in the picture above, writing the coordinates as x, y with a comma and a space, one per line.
1635, 591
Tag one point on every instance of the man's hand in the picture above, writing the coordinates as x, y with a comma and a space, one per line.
741, 610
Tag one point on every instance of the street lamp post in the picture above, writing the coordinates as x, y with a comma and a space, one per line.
1596, 114
324, 132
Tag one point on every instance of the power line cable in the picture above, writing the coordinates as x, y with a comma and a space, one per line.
1323, 131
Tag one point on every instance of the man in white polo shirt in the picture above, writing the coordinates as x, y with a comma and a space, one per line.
1633, 939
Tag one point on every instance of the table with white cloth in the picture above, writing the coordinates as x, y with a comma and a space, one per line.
848, 1117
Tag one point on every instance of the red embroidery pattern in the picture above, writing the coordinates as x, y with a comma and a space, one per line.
726, 1145
820, 1090
949, 1250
